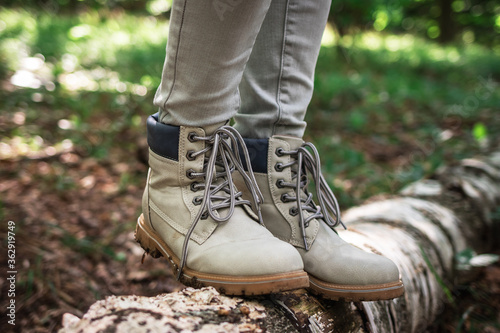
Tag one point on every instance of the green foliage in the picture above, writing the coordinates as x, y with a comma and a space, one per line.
446, 20
480, 132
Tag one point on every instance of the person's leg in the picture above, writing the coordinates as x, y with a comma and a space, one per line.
208, 46
276, 91
192, 212
278, 81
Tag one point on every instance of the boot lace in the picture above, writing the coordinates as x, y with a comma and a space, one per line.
221, 160
306, 160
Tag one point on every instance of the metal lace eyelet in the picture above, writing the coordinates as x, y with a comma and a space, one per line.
194, 187
189, 155
293, 211
279, 151
278, 167
204, 216
190, 173
284, 197
197, 201
192, 136
279, 183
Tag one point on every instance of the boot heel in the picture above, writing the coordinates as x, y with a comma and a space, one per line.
145, 240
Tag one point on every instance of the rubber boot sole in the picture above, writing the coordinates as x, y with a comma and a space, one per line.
356, 293
151, 242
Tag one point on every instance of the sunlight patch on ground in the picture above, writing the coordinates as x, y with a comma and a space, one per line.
31, 147
34, 73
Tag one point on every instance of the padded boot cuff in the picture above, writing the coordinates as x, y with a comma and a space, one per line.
163, 139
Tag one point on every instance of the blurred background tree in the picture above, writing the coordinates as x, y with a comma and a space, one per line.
444, 20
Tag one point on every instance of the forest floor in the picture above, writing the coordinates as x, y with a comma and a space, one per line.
75, 93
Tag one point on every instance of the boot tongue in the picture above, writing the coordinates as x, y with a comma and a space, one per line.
294, 142
210, 129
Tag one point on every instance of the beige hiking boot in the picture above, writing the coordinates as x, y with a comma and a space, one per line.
194, 216
337, 270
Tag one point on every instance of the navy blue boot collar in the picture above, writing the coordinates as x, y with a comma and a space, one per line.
163, 139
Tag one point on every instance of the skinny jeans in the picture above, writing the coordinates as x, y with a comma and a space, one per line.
251, 61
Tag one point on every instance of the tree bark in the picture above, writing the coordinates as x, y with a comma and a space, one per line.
421, 230
446, 23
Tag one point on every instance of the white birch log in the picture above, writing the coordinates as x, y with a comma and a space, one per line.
421, 230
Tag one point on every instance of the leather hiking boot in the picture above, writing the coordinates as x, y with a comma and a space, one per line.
194, 216
337, 270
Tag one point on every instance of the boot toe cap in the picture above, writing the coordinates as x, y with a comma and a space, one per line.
352, 266
333, 260
252, 257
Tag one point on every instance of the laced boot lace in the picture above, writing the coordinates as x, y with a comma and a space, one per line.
306, 160
221, 160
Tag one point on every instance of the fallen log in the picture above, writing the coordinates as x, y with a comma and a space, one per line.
422, 230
